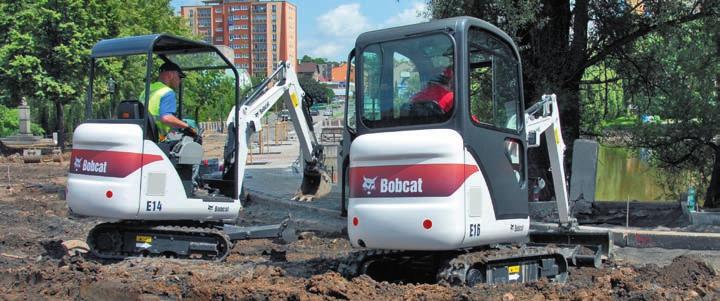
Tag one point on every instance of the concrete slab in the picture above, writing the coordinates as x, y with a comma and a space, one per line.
645, 238
665, 239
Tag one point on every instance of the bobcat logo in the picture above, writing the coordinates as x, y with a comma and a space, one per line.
78, 163
368, 184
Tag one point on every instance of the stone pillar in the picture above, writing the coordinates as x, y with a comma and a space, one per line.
24, 112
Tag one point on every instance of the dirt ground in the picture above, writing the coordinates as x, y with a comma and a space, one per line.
34, 221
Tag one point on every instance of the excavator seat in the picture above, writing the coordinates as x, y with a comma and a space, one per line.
134, 109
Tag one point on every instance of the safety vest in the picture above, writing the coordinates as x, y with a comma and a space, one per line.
157, 91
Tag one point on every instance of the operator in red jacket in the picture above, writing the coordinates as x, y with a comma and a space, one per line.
439, 91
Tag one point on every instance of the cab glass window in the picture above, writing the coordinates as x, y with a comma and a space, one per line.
494, 82
408, 82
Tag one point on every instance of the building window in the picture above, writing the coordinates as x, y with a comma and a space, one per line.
274, 28
218, 20
244, 37
243, 17
274, 36
218, 10
274, 8
243, 26
244, 46
218, 29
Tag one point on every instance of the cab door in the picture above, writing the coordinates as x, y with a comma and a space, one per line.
493, 121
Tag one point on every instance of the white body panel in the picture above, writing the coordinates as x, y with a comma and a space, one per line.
128, 178
437, 179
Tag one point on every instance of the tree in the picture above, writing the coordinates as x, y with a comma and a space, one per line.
47, 42
561, 39
211, 93
675, 75
46, 56
318, 60
315, 90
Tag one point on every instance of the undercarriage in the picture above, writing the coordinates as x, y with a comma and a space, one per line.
180, 239
490, 265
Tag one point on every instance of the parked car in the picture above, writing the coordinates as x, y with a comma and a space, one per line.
327, 113
314, 112
284, 115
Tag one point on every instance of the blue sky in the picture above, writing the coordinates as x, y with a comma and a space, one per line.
328, 28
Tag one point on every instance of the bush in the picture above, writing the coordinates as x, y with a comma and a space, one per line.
10, 123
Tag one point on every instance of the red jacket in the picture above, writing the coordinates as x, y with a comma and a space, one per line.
437, 93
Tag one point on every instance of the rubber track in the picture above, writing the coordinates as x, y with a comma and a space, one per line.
455, 270
206, 231
353, 265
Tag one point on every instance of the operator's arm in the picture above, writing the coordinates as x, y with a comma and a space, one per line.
173, 121
167, 112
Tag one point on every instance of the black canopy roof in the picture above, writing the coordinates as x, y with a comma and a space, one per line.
170, 47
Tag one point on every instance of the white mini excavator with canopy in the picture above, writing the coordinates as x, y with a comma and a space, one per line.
159, 203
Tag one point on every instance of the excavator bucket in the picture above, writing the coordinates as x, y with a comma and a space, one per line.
315, 185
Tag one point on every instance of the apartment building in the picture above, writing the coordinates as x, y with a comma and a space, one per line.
261, 33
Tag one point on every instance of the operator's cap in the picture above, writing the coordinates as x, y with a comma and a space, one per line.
170, 66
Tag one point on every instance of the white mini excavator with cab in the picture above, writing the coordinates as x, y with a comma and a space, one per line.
160, 204
436, 187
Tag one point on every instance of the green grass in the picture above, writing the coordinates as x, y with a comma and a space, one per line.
620, 122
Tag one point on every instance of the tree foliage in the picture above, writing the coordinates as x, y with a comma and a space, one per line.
316, 60
315, 90
46, 43
595, 55
674, 75
10, 123
561, 39
209, 93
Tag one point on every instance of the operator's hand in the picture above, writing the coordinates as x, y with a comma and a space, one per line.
190, 132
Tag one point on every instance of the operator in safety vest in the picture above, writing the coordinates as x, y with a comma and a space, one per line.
163, 104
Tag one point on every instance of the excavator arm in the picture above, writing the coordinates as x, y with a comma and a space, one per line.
544, 117
282, 84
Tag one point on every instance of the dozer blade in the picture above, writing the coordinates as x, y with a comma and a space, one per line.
315, 185
599, 241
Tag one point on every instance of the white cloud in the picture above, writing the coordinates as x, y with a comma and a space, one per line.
339, 27
342, 21
328, 50
411, 15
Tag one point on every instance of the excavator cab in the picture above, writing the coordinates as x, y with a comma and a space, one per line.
124, 168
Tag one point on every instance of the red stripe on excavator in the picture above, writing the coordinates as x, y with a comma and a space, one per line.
108, 163
423, 180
